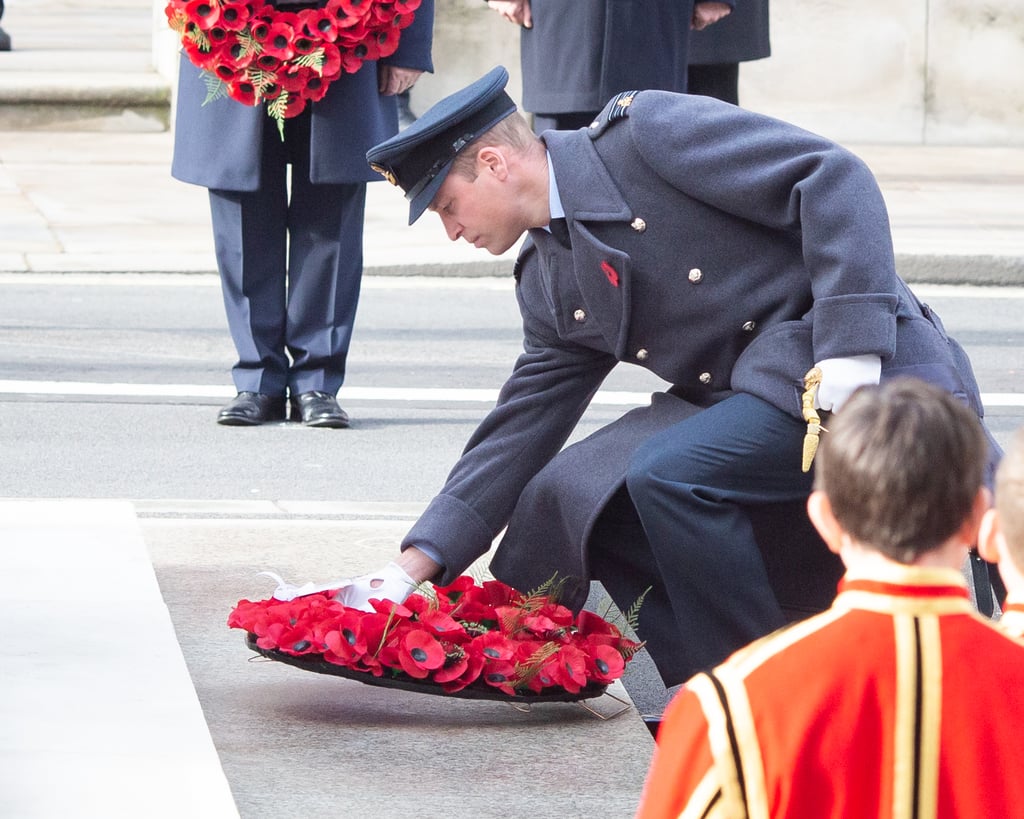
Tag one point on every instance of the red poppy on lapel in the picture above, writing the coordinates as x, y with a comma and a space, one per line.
611, 273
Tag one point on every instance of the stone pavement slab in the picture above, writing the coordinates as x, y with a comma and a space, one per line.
100, 717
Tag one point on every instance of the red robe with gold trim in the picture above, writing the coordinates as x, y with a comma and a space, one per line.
899, 701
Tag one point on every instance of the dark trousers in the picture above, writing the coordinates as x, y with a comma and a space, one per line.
290, 259
711, 519
719, 80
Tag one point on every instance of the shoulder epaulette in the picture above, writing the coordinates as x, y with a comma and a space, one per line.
616, 109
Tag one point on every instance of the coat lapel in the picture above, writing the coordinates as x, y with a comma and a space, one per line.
590, 198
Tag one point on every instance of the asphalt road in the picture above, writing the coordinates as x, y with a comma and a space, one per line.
109, 387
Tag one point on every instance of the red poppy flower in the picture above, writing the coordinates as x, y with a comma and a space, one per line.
403, 21
204, 13
330, 70
386, 41
244, 92
276, 40
495, 646
501, 674
294, 81
348, 10
235, 15
604, 664
267, 62
568, 669
294, 104
404, 7
346, 642
319, 24
420, 654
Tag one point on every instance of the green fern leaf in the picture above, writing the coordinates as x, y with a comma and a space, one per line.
215, 89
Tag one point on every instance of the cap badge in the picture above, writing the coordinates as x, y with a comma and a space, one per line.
387, 173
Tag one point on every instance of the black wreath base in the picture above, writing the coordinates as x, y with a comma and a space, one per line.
475, 691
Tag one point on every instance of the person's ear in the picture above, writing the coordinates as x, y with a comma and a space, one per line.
989, 535
491, 160
819, 510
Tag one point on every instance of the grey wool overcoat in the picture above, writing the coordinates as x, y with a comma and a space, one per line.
721, 249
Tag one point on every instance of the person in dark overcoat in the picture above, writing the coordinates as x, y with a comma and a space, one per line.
291, 260
576, 54
715, 52
727, 252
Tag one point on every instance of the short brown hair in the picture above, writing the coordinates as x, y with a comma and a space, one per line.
513, 131
1010, 498
902, 465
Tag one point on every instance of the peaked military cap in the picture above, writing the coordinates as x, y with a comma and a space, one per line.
418, 159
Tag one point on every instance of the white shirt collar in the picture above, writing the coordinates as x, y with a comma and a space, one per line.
554, 202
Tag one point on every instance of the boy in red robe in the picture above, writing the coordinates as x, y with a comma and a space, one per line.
898, 701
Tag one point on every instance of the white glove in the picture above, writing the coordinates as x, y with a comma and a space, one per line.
390, 583
841, 376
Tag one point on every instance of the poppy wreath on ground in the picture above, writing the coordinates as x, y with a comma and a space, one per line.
256, 54
468, 639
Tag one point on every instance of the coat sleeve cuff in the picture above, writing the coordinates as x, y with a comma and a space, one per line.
852, 325
453, 531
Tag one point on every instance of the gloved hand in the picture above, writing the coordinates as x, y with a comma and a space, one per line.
390, 583
841, 376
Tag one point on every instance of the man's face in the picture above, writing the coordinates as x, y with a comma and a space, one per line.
481, 210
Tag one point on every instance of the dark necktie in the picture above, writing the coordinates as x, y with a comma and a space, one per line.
560, 230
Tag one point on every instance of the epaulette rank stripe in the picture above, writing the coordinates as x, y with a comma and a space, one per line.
616, 109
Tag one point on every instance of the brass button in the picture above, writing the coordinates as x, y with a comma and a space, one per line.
695, 275
638, 224
580, 315
749, 326
641, 354
704, 378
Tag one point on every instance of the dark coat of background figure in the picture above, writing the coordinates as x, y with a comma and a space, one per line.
579, 54
716, 51
291, 261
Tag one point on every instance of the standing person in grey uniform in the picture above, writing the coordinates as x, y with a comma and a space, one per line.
291, 260
717, 51
725, 251
576, 54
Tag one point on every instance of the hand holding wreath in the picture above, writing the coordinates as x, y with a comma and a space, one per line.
257, 54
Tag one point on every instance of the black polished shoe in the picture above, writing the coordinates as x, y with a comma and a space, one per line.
653, 723
318, 409
248, 409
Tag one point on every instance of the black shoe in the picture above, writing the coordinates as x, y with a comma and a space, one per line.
318, 409
247, 409
653, 723
5, 40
